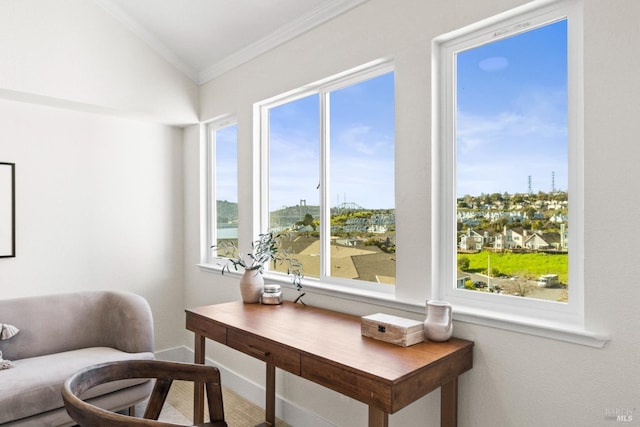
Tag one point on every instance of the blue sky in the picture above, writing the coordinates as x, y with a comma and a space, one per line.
361, 153
511, 124
227, 164
512, 114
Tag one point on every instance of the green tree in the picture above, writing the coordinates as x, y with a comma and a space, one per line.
463, 263
307, 221
468, 284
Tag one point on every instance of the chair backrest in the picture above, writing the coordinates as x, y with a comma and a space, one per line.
120, 320
87, 415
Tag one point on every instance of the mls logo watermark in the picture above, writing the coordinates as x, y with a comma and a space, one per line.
619, 414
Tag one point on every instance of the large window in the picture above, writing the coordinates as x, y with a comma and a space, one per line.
223, 187
509, 150
328, 155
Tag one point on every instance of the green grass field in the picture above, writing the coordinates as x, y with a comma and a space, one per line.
515, 264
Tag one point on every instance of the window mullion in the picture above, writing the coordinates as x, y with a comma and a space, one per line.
263, 225
325, 173
211, 200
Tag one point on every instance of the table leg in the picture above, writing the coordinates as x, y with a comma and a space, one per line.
377, 417
198, 390
449, 404
270, 398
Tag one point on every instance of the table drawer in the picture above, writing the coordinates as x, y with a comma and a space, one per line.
211, 330
278, 355
347, 382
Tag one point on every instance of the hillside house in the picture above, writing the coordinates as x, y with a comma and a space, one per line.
475, 241
540, 241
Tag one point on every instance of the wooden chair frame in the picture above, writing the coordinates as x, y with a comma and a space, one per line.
88, 415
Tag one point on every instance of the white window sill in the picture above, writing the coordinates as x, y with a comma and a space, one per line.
386, 299
556, 331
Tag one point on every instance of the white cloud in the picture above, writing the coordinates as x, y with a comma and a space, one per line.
497, 152
493, 64
362, 168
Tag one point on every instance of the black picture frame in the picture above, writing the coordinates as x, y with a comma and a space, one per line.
7, 210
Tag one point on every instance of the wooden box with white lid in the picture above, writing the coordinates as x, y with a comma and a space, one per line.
393, 329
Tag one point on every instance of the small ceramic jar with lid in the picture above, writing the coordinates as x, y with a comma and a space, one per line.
272, 295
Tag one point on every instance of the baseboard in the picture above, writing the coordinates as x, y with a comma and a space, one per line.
176, 354
286, 410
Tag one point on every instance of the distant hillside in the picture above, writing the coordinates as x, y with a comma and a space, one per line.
289, 215
227, 212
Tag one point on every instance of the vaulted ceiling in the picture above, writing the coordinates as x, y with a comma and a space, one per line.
205, 38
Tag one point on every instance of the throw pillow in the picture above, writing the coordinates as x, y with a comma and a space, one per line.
7, 331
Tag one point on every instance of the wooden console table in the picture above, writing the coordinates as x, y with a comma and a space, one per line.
327, 348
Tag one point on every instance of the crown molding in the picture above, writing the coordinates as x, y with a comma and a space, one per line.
142, 33
320, 15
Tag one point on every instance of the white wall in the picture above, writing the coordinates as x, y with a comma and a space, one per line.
73, 51
85, 109
517, 379
98, 206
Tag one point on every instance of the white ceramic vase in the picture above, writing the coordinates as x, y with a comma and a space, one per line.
251, 286
438, 326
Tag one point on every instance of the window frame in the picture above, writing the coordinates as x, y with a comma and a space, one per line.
210, 256
470, 305
411, 290
325, 283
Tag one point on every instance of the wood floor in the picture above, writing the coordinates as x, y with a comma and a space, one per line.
238, 412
